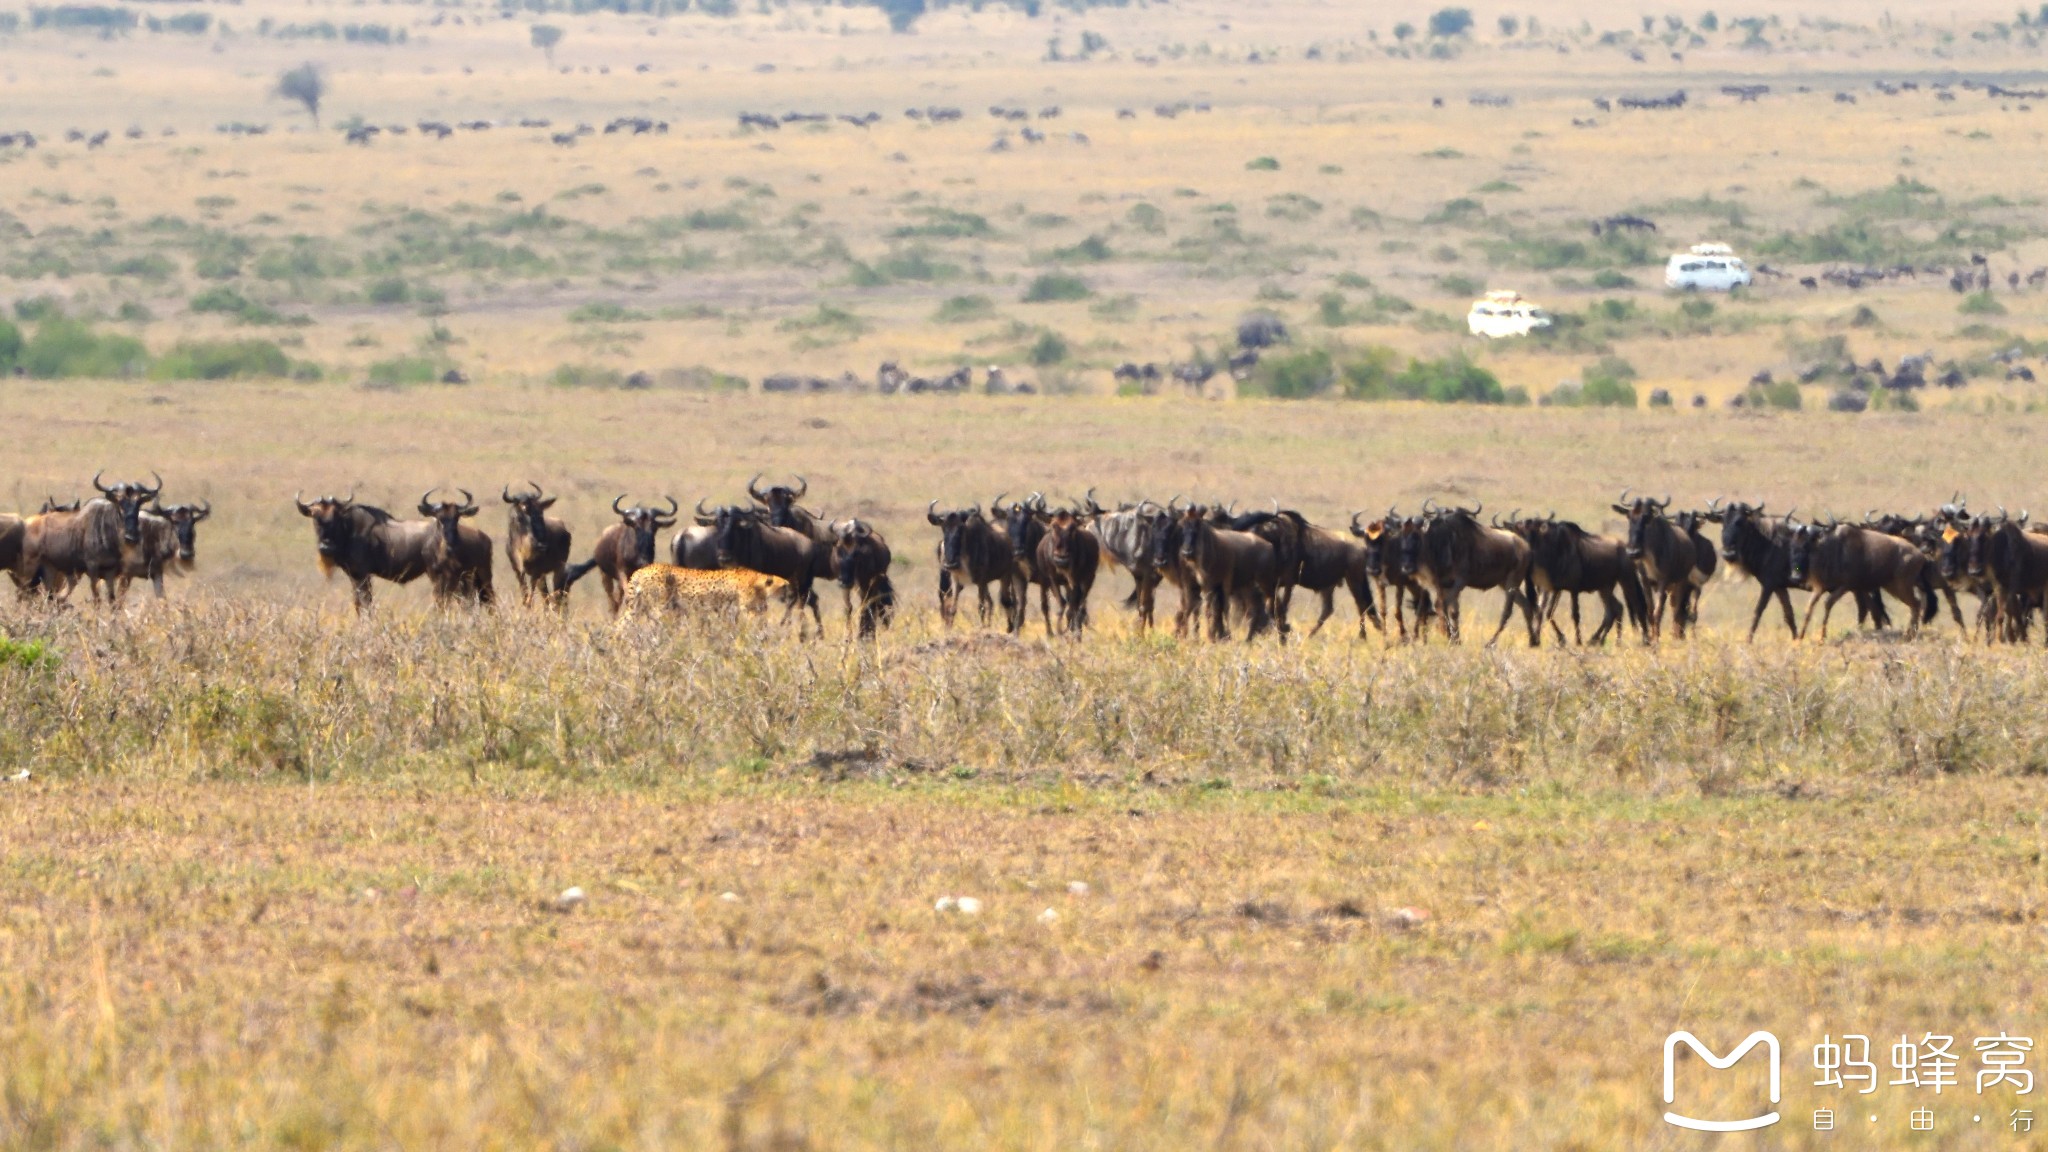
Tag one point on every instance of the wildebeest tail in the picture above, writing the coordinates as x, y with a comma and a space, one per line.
1633, 598
577, 571
1930, 606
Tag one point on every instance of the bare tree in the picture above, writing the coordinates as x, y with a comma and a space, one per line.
305, 84
545, 37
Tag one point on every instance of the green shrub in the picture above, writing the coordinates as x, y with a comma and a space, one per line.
228, 302
1457, 211
586, 376
1980, 304
1783, 395
405, 370
389, 290
1050, 348
1611, 280
1610, 383
222, 360
1050, 287
64, 348
32, 309
1447, 22
1146, 218
1294, 376
1451, 380
1331, 310
1457, 285
1263, 164
606, 312
1369, 375
946, 224
10, 346
963, 309
1093, 250
27, 655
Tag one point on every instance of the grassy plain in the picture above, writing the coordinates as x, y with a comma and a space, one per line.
281, 877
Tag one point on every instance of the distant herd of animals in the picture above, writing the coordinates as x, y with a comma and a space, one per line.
1229, 568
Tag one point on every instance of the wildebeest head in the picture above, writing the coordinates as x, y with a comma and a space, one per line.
529, 510
856, 551
1737, 519
1023, 519
953, 529
1163, 531
643, 522
1376, 535
1061, 530
1641, 512
734, 530
50, 505
780, 500
449, 514
1965, 546
1192, 519
184, 519
1801, 542
128, 498
333, 528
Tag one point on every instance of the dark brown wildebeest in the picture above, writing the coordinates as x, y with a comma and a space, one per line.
1024, 522
784, 511
747, 540
1285, 532
59, 548
1757, 545
1070, 555
1330, 560
972, 552
366, 543
624, 548
537, 545
1705, 560
13, 530
169, 544
860, 560
1228, 566
461, 565
1664, 553
1565, 559
1163, 533
1381, 540
2014, 560
1838, 559
1126, 537
1451, 551
1925, 535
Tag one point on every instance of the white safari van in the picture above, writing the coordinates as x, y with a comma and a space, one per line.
1707, 268
1499, 314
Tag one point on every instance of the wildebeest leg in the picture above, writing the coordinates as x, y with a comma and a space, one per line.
1954, 609
1785, 602
1257, 619
1814, 602
1147, 592
362, 594
1045, 607
1912, 601
1610, 615
1219, 613
1447, 607
1507, 612
1577, 637
949, 598
1361, 595
1546, 611
1763, 601
1329, 596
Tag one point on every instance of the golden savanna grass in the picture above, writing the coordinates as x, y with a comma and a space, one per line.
280, 876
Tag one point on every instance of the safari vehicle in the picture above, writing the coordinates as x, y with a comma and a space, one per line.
1502, 313
1707, 268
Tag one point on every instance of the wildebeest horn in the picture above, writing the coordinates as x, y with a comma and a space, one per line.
205, 510
1624, 494
299, 498
673, 507
159, 483
996, 505
1038, 501
1713, 505
1428, 503
931, 512
1666, 502
802, 486
620, 500
96, 482
468, 502
505, 493
426, 509
700, 507
754, 491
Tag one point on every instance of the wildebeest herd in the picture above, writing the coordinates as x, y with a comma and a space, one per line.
1230, 569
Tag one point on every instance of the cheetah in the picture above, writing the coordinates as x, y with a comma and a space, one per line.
663, 588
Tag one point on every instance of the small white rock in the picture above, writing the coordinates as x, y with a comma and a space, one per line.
569, 898
1077, 887
945, 904
729, 897
1048, 917
969, 906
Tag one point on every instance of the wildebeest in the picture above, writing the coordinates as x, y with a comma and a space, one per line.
169, 543
1285, 531
1452, 551
461, 564
365, 543
860, 561
747, 540
1069, 555
1380, 539
1024, 523
58, 548
1330, 560
1663, 552
972, 551
784, 512
624, 548
1756, 545
1836, 560
1126, 538
537, 545
697, 545
2015, 561
1565, 559
1227, 566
